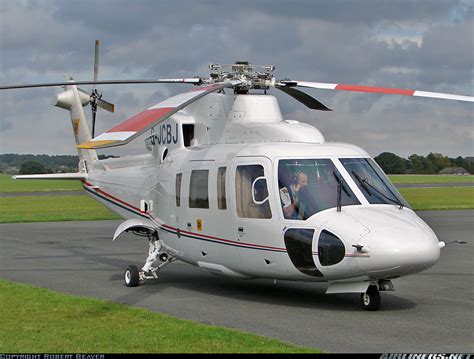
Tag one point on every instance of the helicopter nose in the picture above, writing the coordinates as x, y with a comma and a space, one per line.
407, 246
416, 254
406, 252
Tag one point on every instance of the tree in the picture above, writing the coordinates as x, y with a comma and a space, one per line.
391, 163
439, 161
32, 167
421, 165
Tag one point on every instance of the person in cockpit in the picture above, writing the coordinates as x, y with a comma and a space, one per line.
293, 208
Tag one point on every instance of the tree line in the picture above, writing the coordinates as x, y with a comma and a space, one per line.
416, 164
36, 164
390, 163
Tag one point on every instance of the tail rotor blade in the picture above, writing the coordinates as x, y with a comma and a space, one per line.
107, 106
304, 98
94, 114
96, 61
95, 95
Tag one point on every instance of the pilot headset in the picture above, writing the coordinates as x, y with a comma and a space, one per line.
295, 176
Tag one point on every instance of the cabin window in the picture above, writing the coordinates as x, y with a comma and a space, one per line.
221, 196
198, 189
251, 192
188, 134
178, 189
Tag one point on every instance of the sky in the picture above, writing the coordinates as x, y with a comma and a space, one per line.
411, 44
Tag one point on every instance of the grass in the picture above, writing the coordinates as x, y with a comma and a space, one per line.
439, 197
83, 208
430, 179
52, 208
7, 184
42, 321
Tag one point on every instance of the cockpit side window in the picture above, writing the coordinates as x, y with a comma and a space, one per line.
372, 182
308, 186
248, 178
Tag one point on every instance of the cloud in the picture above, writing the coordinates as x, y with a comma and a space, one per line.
425, 45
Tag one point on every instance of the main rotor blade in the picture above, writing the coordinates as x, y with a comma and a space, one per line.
192, 80
129, 129
374, 89
304, 98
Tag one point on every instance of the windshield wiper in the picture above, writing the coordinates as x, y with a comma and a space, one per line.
340, 186
364, 182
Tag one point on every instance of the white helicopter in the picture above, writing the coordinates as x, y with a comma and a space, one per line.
230, 186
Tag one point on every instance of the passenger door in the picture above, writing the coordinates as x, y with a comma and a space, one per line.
255, 213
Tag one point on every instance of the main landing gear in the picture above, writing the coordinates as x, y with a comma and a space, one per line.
134, 277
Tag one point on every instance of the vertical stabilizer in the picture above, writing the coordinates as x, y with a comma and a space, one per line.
74, 101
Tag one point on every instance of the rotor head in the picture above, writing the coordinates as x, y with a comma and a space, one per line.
250, 76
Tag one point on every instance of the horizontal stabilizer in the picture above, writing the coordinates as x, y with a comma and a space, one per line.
126, 131
54, 176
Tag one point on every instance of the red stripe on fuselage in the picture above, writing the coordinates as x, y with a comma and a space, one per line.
241, 244
224, 240
98, 190
141, 120
392, 91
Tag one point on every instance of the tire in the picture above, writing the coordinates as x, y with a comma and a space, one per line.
371, 299
132, 276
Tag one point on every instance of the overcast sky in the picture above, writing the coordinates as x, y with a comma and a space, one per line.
421, 45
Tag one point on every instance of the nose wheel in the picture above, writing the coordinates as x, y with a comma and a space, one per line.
370, 300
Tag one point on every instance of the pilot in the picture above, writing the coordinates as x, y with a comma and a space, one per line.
290, 200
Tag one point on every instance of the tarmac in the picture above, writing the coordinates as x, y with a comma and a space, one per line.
432, 311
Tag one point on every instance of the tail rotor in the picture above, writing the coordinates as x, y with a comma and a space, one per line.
96, 96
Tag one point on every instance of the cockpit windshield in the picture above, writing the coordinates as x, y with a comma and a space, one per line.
308, 186
372, 182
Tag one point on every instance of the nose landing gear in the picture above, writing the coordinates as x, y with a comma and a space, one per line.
370, 300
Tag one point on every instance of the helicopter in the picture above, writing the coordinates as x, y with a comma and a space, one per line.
228, 185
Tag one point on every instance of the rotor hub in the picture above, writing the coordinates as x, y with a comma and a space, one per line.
258, 77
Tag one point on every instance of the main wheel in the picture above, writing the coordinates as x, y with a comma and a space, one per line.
370, 300
132, 276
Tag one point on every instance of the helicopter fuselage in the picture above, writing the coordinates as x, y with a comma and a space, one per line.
224, 195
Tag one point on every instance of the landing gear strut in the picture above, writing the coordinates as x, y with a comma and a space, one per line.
370, 300
134, 277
